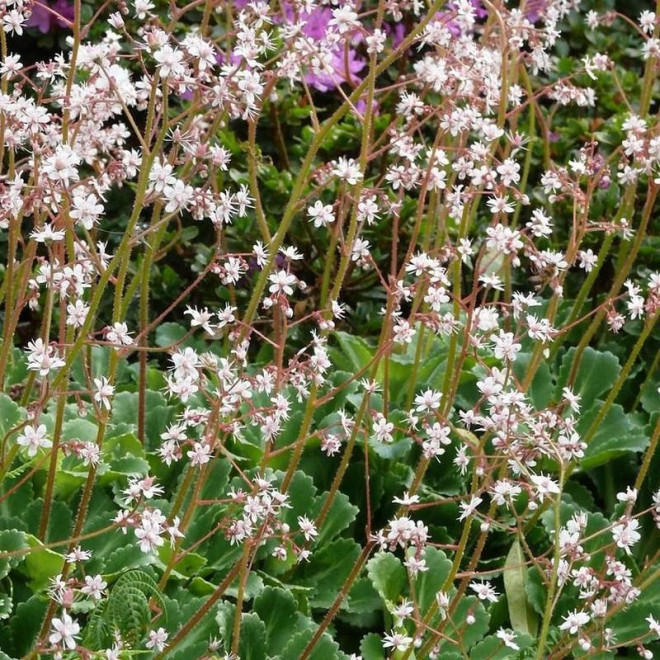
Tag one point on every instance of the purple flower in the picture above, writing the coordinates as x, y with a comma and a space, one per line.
345, 67
534, 10
316, 22
60, 15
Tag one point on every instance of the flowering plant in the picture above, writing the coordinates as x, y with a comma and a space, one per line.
329, 331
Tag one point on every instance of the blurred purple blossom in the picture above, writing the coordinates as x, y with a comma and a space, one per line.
45, 20
534, 10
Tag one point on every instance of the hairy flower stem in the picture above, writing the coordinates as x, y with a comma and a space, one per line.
147, 262
618, 281
341, 596
552, 586
78, 526
306, 167
623, 376
201, 612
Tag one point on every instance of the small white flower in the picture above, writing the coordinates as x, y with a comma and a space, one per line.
94, 586
574, 620
34, 438
64, 631
157, 639
508, 638
484, 591
103, 392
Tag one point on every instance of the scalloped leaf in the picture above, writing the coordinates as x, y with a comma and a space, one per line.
252, 640
327, 570
324, 649
428, 583
595, 375
278, 610
11, 414
387, 575
12, 540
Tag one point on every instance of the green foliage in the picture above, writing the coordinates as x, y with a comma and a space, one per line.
127, 610
521, 614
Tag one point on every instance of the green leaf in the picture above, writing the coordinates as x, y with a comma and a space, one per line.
11, 540
428, 583
387, 575
371, 647
541, 388
535, 590
618, 434
468, 634
118, 446
493, 648
180, 607
278, 610
11, 415
252, 641
355, 351
327, 570
169, 333
224, 619
26, 623
302, 493
6, 607
324, 649
159, 414
340, 515
254, 585
522, 616
650, 398
17, 371
41, 564
60, 521
596, 373
188, 566
363, 598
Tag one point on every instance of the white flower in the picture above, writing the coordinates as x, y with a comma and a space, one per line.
200, 318
281, 282
103, 392
42, 358
654, 626
321, 214
625, 534
427, 401
61, 167
142, 7
469, 507
574, 620
508, 638
544, 485
200, 454
157, 639
307, 528
484, 591
34, 439
65, 631
397, 641
348, 170
407, 499
94, 586
118, 334
86, 209
169, 61
383, 429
